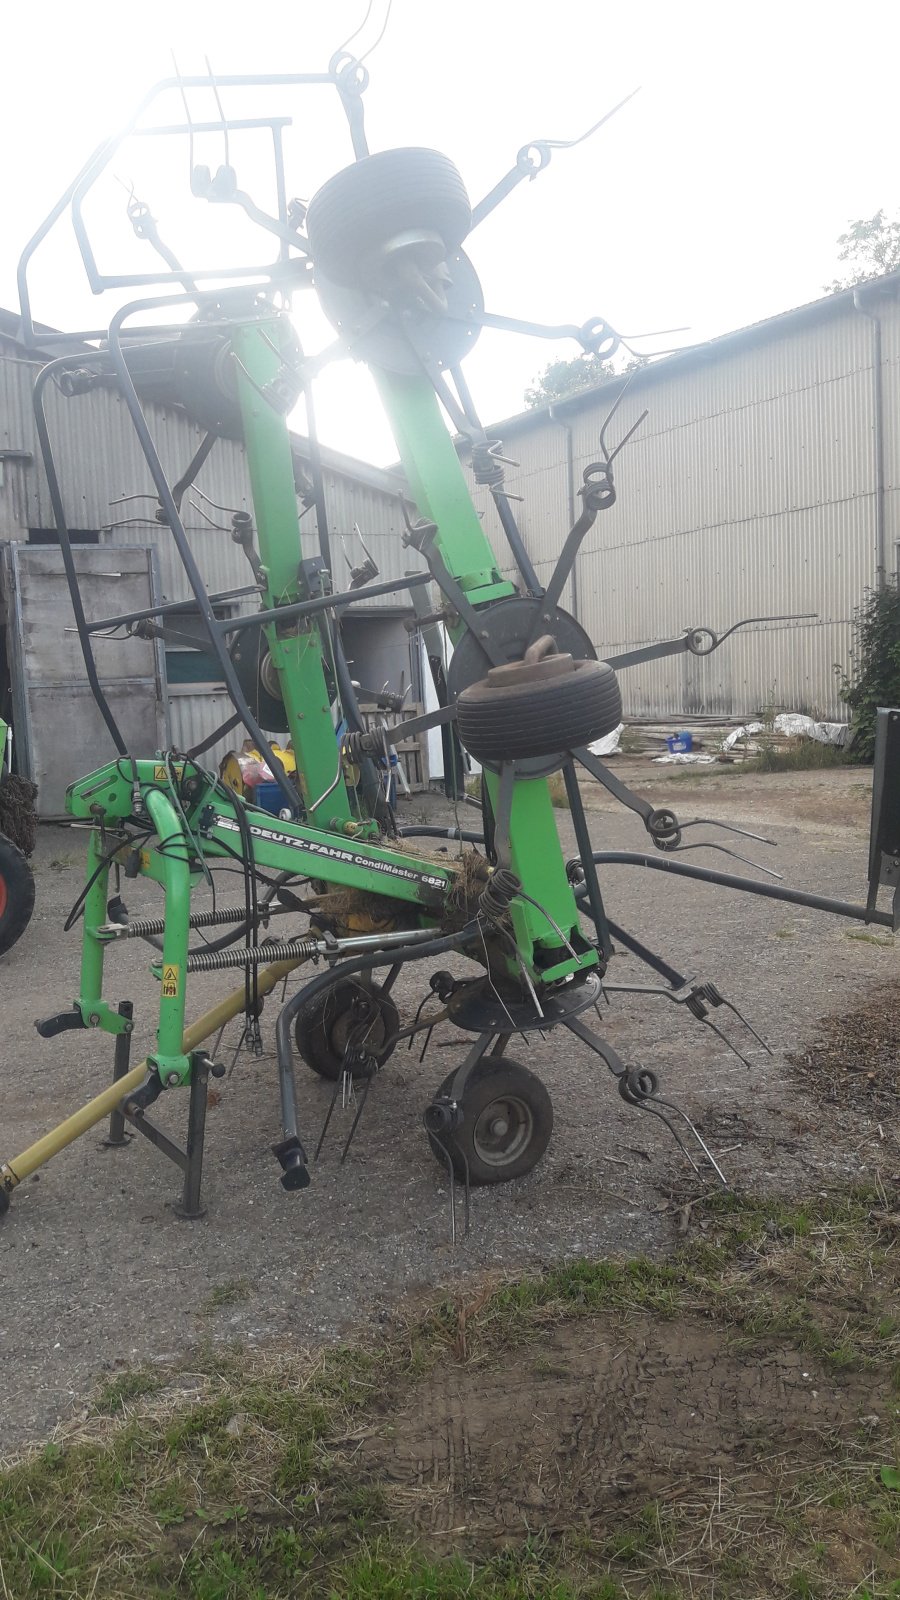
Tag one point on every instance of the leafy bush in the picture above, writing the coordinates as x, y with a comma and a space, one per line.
874, 678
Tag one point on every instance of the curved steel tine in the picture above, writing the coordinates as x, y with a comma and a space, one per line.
748, 1025
707, 1023
338, 1085
625, 438
359, 1111
422, 1004
427, 1042
710, 844
670, 1105
466, 1184
645, 1105
237, 1049
729, 827
452, 1176
569, 144
529, 985
601, 438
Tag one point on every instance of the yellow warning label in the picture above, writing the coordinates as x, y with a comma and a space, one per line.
145, 860
170, 982
160, 774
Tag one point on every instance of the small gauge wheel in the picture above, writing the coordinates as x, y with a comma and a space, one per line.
348, 1011
503, 1123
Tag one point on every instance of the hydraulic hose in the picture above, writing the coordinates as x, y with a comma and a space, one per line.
432, 832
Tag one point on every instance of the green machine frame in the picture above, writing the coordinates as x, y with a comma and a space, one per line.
517, 912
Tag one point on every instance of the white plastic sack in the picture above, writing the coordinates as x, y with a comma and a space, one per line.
794, 725
732, 738
609, 744
691, 758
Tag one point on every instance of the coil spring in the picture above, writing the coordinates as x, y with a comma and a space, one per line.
501, 888
142, 927
255, 956
353, 749
486, 468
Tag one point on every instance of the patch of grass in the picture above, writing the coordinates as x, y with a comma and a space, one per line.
799, 755
127, 1386
233, 1292
61, 863
700, 774
236, 1476
886, 941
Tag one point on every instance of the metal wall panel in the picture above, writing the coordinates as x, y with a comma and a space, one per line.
194, 716
99, 460
60, 731
379, 516
749, 490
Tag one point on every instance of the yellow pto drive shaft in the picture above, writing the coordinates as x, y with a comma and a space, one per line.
12, 1172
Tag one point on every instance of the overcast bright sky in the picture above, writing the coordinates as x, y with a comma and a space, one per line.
712, 200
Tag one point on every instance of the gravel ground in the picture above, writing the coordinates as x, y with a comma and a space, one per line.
105, 1274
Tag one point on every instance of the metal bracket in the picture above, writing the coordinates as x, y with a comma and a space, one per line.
421, 535
100, 1014
661, 823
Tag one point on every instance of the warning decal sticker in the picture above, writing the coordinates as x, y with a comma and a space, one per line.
170, 975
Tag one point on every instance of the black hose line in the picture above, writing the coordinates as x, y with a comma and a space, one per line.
432, 832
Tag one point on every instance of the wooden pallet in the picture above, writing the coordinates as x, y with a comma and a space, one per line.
413, 753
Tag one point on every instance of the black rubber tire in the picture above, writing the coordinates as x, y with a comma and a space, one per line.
497, 1082
539, 719
321, 1027
395, 191
16, 893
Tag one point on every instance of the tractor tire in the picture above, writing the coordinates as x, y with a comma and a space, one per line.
505, 1125
396, 191
16, 893
515, 721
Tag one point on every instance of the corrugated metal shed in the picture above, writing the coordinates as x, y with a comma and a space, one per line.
100, 462
749, 490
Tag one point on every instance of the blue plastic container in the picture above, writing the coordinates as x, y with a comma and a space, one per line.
680, 744
269, 797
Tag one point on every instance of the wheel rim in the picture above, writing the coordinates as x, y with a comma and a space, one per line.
503, 1131
368, 1031
3, 894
